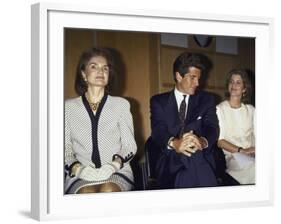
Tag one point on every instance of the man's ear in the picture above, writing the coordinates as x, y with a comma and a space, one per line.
178, 77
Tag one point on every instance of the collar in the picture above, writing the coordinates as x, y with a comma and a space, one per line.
179, 97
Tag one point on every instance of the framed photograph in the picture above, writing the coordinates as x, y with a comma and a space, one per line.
60, 33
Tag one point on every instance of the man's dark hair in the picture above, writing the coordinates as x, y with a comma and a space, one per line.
186, 60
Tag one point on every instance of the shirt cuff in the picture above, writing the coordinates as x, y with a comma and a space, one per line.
206, 142
169, 142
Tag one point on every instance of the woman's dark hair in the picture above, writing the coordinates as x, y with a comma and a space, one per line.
246, 97
80, 84
186, 60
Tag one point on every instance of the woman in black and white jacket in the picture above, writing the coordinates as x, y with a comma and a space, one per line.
99, 133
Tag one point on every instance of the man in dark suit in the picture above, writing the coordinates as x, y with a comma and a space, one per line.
184, 127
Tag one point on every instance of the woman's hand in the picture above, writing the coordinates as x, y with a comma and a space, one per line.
88, 173
100, 174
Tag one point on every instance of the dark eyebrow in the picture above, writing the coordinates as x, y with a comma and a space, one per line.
238, 80
194, 76
93, 63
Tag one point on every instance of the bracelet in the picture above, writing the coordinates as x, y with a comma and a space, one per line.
239, 149
115, 156
74, 168
170, 140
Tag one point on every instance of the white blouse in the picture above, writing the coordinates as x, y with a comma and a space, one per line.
237, 126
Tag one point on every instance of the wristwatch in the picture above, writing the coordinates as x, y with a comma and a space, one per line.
118, 158
239, 149
73, 169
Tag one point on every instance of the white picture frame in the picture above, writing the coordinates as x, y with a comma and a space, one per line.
48, 200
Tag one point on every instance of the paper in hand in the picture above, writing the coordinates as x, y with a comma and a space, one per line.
243, 160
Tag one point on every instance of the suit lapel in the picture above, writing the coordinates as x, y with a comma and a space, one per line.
192, 103
172, 113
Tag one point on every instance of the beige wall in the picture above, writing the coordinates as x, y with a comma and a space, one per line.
76, 41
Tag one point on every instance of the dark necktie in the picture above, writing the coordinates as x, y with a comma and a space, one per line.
182, 115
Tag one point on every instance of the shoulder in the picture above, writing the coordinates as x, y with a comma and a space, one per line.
162, 97
118, 101
72, 102
203, 97
250, 107
222, 105
72, 106
204, 94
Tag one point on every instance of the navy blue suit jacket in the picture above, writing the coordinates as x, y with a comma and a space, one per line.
175, 170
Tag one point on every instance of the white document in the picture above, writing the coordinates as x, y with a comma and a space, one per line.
243, 160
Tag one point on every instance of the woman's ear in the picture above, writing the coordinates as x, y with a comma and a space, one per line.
178, 77
244, 92
84, 76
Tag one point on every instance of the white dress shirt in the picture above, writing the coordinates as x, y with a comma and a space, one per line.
179, 98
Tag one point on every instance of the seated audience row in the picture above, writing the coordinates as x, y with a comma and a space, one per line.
185, 127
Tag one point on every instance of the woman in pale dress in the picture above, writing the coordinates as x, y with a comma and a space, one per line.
237, 132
